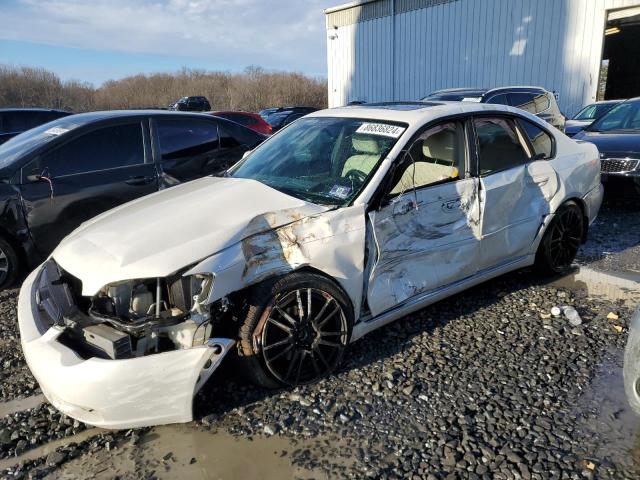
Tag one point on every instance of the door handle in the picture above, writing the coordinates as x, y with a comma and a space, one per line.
541, 182
405, 207
139, 180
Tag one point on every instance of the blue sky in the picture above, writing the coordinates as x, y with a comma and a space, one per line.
96, 40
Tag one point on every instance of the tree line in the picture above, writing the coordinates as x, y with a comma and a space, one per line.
252, 90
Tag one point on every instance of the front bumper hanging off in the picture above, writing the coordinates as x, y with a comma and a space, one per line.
149, 390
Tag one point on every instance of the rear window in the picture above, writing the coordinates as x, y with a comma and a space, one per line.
183, 138
540, 140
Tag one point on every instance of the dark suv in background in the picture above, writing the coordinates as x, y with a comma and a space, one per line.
17, 120
535, 100
56, 176
192, 104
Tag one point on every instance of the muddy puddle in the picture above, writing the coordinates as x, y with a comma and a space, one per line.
611, 421
622, 286
188, 452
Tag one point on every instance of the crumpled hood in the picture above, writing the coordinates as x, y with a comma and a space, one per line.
158, 234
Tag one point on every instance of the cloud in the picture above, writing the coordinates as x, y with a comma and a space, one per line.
279, 34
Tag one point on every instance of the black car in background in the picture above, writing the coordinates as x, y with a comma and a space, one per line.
283, 116
58, 175
588, 115
192, 104
535, 100
14, 121
617, 136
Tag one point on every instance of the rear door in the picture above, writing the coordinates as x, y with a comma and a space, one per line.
515, 189
90, 173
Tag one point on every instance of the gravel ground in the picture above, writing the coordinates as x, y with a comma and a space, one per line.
614, 239
487, 385
34, 427
15, 379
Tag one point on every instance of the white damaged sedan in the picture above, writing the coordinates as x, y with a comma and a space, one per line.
343, 222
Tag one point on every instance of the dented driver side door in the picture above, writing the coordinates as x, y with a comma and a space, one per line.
428, 236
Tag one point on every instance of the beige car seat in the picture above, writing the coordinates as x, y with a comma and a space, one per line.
367, 156
438, 162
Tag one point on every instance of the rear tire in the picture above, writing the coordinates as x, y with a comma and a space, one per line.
9, 264
561, 240
295, 331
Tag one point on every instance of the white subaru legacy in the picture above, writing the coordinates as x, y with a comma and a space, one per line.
344, 221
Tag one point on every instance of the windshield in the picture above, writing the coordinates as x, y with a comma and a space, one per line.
28, 141
322, 160
594, 111
624, 117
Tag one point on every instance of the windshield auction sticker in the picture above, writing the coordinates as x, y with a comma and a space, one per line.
381, 129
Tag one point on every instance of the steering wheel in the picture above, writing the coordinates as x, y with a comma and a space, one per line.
356, 175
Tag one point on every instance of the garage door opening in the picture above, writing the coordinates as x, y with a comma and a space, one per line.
620, 72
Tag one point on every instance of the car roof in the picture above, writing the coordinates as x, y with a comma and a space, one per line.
413, 113
605, 102
235, 112
112, 114
31, 109
483, 91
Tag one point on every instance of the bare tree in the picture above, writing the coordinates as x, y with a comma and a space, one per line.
251, 90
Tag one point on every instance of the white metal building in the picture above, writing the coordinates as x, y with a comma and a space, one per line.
381, 50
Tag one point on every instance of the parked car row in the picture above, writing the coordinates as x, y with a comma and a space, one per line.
279, 250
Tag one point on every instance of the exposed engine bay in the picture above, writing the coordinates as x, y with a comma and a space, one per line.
130, 318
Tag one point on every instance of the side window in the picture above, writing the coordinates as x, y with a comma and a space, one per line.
524, 101
499, 147
438, 155
185, 138
232, 135
228, 139
540, 140
500, 99
103, 149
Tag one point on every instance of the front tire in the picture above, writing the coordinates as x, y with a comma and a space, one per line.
561, 241
295, 331
9, 264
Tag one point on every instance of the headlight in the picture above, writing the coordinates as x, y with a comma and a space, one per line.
201, 285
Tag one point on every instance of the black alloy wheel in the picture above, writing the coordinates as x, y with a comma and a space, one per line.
304, 336
295, 331
562, 239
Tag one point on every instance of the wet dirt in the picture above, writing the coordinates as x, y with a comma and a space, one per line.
182, 451
611, 425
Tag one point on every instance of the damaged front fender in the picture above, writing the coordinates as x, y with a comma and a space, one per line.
332, 243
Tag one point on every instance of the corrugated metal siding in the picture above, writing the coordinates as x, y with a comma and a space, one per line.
359, 13
556, 44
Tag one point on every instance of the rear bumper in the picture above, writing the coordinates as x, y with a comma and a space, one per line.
150, 390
